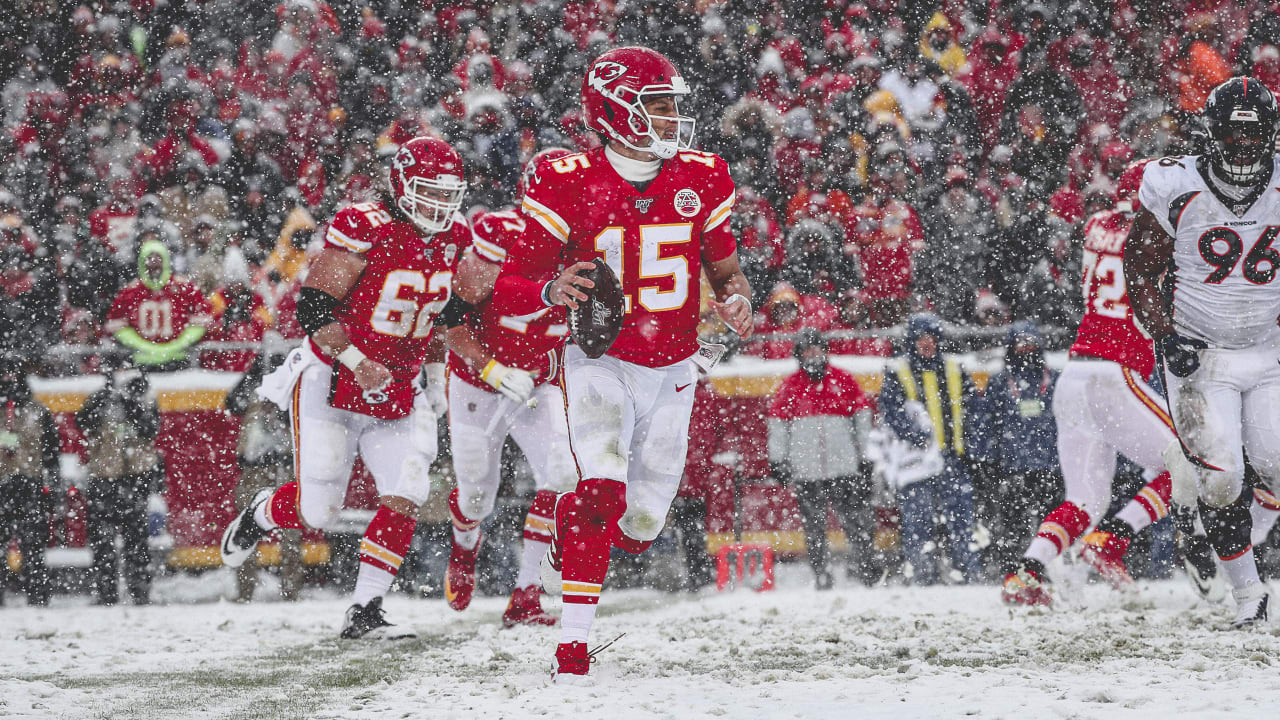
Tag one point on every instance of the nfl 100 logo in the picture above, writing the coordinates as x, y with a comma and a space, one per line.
688, 203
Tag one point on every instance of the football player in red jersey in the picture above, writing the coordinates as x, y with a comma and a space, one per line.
657, 213
368, 305
502, 381
1104, 407
158, 316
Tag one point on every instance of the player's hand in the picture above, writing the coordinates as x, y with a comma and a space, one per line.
514, 383
372, 375
432, 382
564, 289
1181, 354
736, 312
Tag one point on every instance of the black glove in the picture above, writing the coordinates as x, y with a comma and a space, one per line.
1181, 354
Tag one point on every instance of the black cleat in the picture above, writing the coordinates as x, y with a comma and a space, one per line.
241, 537
371, 621
1197, 557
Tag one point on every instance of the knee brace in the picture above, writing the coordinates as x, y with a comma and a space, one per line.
1219, 488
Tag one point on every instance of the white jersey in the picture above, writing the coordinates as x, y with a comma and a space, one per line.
1226, 253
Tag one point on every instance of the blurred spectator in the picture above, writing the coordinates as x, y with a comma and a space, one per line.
29, 476
29, 313
1042, 115
818, 426
1023, 445
239, 315
120, 423
926, 402
958, 229
992, 69
885, 235
854, 313
158, 316
1198, 66
787, 311
266, 461
815, 265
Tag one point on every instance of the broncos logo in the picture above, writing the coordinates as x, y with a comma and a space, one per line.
604, 73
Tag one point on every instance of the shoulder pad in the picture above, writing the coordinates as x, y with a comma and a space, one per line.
353, 228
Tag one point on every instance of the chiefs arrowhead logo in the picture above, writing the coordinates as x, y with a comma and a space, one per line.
603, 73
404, 158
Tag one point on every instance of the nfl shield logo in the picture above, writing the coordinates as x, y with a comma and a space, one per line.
642, 204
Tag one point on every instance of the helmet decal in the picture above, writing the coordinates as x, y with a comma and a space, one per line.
605, 72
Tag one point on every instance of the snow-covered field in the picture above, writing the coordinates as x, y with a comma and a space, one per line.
889, 652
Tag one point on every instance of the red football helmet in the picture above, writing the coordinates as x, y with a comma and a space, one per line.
426, 182
613, 95
1128, 184
551, 153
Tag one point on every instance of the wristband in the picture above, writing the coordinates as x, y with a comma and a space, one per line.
351, 357
490, 367
546, 294
738, 296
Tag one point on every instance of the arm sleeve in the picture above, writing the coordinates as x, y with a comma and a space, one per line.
529, 266
1153, 197
718, 242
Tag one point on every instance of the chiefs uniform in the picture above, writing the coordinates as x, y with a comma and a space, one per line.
161, 315
388, 313
529, 341
480, 419
656, 241
1103, 407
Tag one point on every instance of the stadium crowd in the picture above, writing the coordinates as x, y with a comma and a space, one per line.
890, 158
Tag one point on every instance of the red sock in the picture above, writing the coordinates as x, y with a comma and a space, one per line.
589, 531
539, 523
1154, 496
629, 544
283, 507
385, 543
1064, 525
460, 521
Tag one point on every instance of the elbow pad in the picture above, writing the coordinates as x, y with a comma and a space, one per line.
455, 312
315, 309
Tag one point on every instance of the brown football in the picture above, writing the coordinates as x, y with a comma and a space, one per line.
598, 320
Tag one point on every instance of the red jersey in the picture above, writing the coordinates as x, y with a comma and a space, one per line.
389, 312
1107, 330
528, 342
161, 315
887, 238
656, 241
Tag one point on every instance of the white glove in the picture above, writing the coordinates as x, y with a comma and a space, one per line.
515, 383
917, 412
432, 381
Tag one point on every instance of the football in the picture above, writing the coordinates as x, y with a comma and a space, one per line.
598, 319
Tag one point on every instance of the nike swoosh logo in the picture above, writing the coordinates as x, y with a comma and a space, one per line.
682, 387
449, 593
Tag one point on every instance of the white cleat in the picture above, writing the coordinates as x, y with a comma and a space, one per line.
1251, 607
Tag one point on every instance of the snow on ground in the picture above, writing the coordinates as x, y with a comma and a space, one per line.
887, 652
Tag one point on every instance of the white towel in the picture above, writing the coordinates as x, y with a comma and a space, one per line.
277, 386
